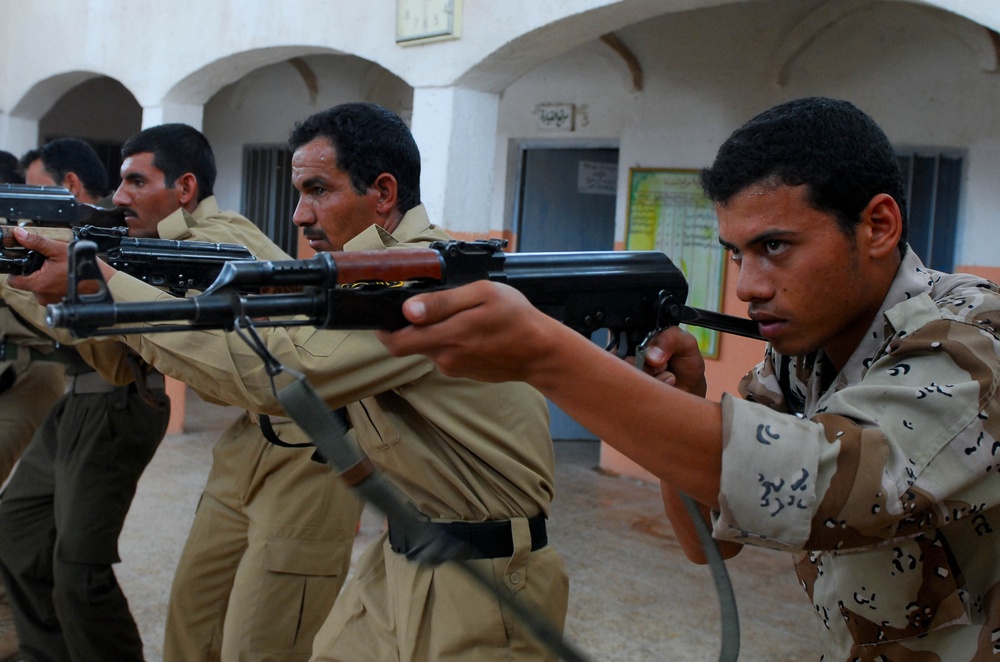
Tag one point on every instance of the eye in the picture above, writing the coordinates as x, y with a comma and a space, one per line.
774, 247
735, 255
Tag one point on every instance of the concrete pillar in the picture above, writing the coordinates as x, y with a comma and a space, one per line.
455, 129
167, 113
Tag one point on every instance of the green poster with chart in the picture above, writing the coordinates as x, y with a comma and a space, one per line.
668, 212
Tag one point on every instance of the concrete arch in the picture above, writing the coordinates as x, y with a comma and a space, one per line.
973, 23
38, 99
512, 60
981, 40
198, 86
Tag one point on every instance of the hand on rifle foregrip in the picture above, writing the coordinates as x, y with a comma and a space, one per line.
47, 283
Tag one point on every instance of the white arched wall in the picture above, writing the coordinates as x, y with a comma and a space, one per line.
707, 71
690, 101
929, 89
263, 105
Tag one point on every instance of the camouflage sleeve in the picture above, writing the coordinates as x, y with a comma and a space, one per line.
905, 449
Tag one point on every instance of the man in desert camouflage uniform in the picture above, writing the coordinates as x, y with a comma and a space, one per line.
867, 442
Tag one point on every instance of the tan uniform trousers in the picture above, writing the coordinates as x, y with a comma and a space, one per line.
24, 406
395, 609
268, 551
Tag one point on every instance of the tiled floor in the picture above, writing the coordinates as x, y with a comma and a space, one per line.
633, 597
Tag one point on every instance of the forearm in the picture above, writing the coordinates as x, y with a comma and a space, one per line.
29, 309
674, 435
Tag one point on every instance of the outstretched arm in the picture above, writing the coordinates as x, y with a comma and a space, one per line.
490, 332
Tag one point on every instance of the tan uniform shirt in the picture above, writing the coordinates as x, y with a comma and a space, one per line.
459, 449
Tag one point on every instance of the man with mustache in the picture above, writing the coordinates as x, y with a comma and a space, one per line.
63, 509
867, 440
258, 538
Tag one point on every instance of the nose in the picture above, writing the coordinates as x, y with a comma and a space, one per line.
120, 198
752, 283
303, 214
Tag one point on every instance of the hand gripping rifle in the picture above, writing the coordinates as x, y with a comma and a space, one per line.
632, 294
176, 266
54, 213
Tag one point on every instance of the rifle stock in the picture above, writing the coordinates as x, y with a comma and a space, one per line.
630, 293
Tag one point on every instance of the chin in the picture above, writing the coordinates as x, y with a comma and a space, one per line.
792, 348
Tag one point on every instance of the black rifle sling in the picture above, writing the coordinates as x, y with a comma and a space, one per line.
271, 435
729, 616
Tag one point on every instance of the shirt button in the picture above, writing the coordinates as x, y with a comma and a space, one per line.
515, 578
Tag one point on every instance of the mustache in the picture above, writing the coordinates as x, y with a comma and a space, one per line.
128, 211
314, 234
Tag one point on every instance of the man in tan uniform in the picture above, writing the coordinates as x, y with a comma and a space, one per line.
476, 459
257, 538
29, 386
62, 511
260, 536
29, 383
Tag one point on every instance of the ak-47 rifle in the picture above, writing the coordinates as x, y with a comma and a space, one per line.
177, 266
22, 204
52, 212
630, 293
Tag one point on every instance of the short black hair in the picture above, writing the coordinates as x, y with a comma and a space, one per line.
10, 169
829, 145
62, 156
369, 140
177, 149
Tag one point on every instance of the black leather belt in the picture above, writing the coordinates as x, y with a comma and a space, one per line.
9, 352
481, 540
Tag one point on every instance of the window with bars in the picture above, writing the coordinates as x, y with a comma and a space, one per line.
268, 195
933, 186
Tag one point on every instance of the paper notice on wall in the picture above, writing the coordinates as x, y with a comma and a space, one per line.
597, 178
668, 212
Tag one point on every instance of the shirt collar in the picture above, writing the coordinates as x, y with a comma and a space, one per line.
912, 279
178, 224
374, 237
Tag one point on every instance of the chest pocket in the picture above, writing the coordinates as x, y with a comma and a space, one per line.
895, 592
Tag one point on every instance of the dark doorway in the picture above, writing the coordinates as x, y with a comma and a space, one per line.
567, 203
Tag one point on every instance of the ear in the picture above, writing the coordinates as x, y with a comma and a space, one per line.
186, 188
73, 184
386, 187
883, 224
